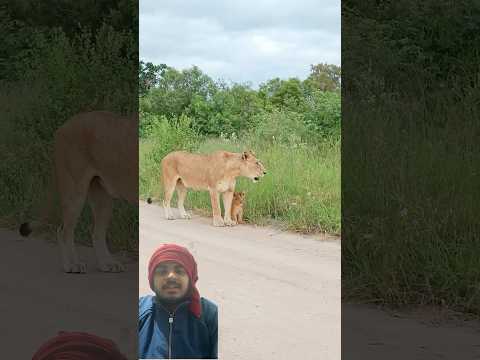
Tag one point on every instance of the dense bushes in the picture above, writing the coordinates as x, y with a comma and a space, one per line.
410, 221
217, 108
52, 73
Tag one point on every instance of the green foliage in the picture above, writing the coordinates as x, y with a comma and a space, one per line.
322, 116
283, 93
301, 191
324, 77
67, 15
292, 125
148, 76
159, 137
177, 134
217, 108
175, 91
228, 111
285, 127
60, 81
52, 74
411, 225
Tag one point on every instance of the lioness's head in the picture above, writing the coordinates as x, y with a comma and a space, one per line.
251, 167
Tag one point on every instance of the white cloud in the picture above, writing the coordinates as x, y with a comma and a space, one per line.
241, 40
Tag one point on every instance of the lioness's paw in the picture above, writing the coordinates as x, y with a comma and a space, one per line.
168, 214
111, 266
186, 216
218, 222
75, 268
229, 222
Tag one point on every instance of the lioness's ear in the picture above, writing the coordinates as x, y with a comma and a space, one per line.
245, 155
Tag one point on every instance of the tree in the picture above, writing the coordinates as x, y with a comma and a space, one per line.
282, 93
324, 77
174, 91
69, 14
149, 76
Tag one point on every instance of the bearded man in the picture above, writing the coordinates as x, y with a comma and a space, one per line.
176, 323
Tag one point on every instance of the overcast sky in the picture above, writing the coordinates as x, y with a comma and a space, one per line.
241, 40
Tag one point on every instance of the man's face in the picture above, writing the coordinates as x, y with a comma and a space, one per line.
171, 282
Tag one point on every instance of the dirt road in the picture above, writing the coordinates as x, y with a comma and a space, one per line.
370, 334
279, 298
38, 299
278, 294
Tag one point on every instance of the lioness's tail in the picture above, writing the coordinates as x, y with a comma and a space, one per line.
46, 214
28, 227
25, 229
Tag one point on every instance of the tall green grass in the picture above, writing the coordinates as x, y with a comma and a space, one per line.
410, 189
56, 83
26, 168
411, 213
300, 192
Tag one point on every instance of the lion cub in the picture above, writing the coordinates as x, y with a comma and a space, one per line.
237, 206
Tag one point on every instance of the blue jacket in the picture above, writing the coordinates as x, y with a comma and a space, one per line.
178, 335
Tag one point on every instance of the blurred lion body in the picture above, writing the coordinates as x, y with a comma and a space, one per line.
215, 172
95, 159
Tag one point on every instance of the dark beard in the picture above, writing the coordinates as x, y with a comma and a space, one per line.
167, 301
170, 302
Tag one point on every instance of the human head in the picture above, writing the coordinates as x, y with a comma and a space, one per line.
170, 282
172, 275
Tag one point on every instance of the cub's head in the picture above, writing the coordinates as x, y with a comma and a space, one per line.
251, 167
239, 197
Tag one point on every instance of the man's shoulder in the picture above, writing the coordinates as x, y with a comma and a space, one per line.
208, 304
145, 302
146, 298
209, 308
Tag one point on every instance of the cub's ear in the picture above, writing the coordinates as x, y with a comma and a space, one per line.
242, 194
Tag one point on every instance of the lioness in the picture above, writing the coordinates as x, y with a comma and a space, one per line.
216, 172
95, 158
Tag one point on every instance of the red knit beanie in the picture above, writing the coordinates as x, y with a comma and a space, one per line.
78, 346
181, 255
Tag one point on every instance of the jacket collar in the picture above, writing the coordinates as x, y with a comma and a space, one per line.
179, 307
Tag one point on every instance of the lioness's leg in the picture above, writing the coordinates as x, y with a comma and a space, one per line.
217, 213
166, 202
182, 194
169, 184
72, 200
101, 204
73, 176
227, 204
